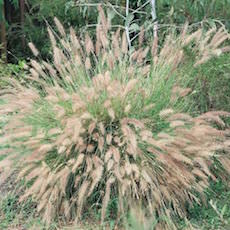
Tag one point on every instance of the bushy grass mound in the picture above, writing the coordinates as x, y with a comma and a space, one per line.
98, 128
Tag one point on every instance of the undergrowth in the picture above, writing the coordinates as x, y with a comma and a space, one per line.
203, 217
207, 216
209, 83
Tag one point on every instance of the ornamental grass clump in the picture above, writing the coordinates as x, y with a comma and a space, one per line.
97, 124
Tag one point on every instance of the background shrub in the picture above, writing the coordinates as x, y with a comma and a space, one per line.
82, 15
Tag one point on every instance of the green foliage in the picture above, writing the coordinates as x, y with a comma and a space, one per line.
14, 214
83, 15
179, 11
39, 15
8, 210
216, 214
11, 210
8, 71
210, 84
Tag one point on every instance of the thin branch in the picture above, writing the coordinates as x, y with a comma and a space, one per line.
154, 16
95, 25
145, 30
142, 6
111, 5
127, 24
118, 13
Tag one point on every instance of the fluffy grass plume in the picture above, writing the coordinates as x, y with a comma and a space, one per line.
96, 124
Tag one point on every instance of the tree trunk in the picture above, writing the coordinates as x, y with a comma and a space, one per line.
3, 34
8, 11
22, 21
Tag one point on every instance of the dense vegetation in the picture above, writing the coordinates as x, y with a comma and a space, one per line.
100, 132
26, 21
